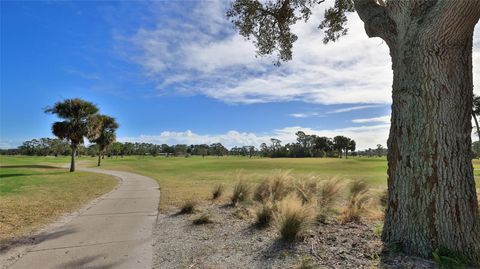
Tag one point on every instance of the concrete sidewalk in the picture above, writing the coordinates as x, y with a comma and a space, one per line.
116, 232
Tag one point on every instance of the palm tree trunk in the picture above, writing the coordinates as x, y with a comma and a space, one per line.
476, 124
72, 162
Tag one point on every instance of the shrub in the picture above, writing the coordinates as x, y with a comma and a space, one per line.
328, 195
264, 215
357, 200
293, 219
188, 207
202, 219
241, 192
217, 191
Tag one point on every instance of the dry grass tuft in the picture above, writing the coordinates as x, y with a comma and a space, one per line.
203, 219
265, 215
307, 189
217, 191
262, 192
188, 207
328, 195
383, 199
274, 188
241, 192
293, 218
358, 199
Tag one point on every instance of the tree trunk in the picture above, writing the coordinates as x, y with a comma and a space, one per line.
72, 162
432, 201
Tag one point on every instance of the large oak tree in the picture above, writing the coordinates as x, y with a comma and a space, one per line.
432, 202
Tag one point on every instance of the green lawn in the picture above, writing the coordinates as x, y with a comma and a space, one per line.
192, 178
33, 192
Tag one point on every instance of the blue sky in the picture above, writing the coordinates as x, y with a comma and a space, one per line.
176, 72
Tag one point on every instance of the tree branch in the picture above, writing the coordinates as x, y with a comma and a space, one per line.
377, 22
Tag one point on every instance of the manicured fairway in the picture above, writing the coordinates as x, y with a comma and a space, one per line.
33, 192
192, 178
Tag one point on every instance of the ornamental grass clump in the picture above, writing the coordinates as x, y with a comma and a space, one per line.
217, 191
358, 199
188, 207
328, 195
241, 192
274, 188
265, 214
293, 219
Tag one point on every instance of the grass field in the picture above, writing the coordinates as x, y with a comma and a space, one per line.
193, 178
33, 192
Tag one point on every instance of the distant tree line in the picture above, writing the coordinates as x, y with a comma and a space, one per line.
309, 146
306, 146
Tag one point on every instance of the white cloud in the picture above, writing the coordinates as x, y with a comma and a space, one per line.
383, 119
305, 115
366, 136
201, 54
353, 108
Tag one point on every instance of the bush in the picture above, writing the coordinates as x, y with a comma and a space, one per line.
328, 195
357, 200
241, 192
264, 215
274, 188
293, 219
202, 219
188, 207
217, 191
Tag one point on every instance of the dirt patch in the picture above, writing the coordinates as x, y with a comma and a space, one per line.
235, 242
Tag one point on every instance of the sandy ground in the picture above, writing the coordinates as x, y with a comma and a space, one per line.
233, 241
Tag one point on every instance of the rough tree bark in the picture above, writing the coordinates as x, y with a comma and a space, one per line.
432, 201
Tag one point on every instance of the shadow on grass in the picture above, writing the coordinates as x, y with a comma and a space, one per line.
28, 174
29, 166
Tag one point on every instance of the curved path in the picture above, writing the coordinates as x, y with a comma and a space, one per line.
115, 232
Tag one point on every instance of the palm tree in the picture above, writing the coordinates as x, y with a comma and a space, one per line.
79, 121
476, 111
107, 136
